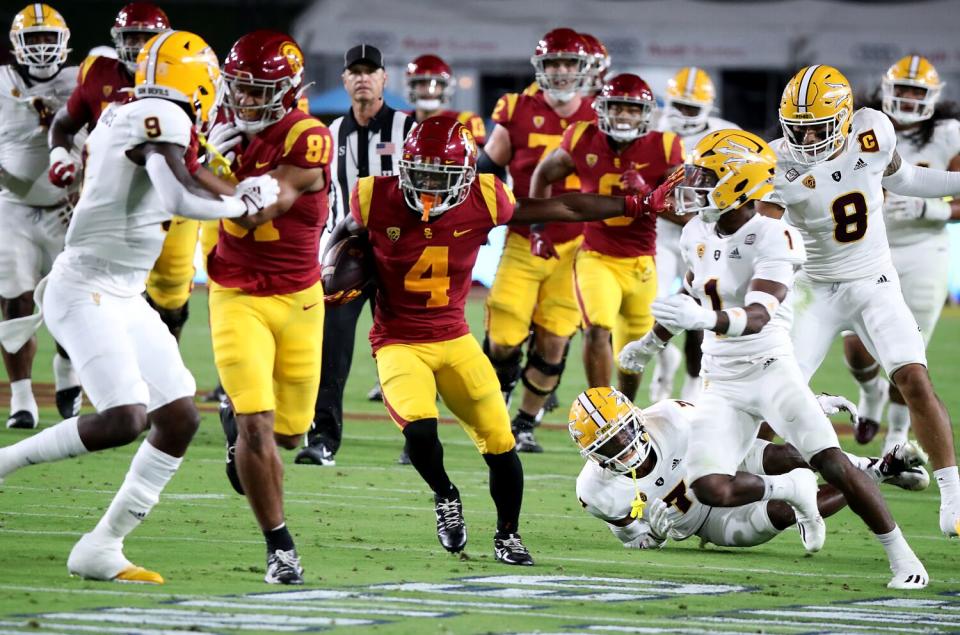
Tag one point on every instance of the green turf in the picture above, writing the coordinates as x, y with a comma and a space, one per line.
368, 523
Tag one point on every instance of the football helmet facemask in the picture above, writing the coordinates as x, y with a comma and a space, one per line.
816, 111
561, 62
689, 100
599, 66
910, 89
430, 83
40, 36
608, 429
437, 166
624, 107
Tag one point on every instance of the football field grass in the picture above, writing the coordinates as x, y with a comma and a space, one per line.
365, 531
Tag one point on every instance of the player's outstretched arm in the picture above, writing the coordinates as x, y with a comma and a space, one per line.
904, 178
62, 129
496, 154
294, 181
558, 165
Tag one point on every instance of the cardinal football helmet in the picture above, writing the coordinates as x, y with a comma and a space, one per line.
567, 47
437, 166
627, 122
263, 74
40, 36
689, 100
599, 66
179, 66
433, 74
608, 429
726, 169
131, 24
910, 73
816, 112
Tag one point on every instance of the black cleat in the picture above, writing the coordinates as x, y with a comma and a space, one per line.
283, 567
451, 530
527, 442
217, 395
551, 403
376, 393
404, 458
316, 454
864, 430
69, 401
21, 420
508, 549
228, 421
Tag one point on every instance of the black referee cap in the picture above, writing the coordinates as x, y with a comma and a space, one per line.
366, 53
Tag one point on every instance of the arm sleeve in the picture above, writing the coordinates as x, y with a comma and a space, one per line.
308, 145
912, 180
177, 199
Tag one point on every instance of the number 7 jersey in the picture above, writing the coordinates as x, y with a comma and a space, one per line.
837, 205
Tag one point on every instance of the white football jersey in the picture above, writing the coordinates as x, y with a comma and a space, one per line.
837, 205
119, 216
943, 146
608, 495
723, 268
23, 140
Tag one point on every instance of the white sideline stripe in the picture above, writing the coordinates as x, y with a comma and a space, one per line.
691, 568
93, 629
316, 608
862, 615
804, 626
244, 621
348, 596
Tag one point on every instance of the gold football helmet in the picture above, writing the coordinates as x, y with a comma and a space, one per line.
689, 100
608, 429
39, 36
816, 111
726, 169
179, 66
910, 89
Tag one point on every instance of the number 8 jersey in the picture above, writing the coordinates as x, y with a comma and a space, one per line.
838, 205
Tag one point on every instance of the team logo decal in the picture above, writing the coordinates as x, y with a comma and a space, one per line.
427, 232
868, 141
809, 181
107, 90
538, 120
15, 92
294, 57
659, 482
750, 239
792, 175
836, 176
591, 159
393, 233
701, 249
716, 254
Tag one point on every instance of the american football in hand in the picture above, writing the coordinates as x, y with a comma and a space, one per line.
346, 270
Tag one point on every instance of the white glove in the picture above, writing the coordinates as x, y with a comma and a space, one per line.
902, 208
224, 136
683, 313
258, 192
646, 541
832, 404
63, 167
937, 209
658, 513
635, 356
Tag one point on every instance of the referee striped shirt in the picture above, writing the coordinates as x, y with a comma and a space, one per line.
373, 150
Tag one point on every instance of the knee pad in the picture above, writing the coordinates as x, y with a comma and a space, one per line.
508, 370
535, 360
173, 318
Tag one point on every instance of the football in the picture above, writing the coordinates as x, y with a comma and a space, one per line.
347, 269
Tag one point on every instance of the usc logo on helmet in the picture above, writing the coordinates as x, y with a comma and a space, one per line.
294, 57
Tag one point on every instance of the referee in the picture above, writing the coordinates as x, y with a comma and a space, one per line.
369, 143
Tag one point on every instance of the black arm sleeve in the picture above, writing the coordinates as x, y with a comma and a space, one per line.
485, 165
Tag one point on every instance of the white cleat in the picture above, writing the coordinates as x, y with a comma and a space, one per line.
661, 384
813, 531
903, 467
950, 520
908, 574
95, 559
890, 443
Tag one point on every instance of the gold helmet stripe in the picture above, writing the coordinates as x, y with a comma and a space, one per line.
803, 101
691, 80
591, 409
914, 66
151, 74
38, 13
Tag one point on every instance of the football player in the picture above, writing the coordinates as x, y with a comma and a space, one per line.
635, 478
129, 363
528, 292
833, 166
599, 67
737, 289
688, 105
928, 134
430, 87
105, 80
426, 227
266, 301
614, 273
33, 214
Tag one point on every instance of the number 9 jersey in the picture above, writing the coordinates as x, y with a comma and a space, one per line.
838, 204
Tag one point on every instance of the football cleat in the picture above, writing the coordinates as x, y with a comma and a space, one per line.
316, 454
527, 442
451, 529
404, 458
93, 558
376, 393
508, 549
661, 384
217, 395
22, 420
69, 401
903, 467
908, 574
283, 567
950, 520
228, 421
871, 407
813, 531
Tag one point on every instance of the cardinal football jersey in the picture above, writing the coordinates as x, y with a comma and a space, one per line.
101, 81
424, 270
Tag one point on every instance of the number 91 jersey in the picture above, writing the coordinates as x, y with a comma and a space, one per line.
838, 205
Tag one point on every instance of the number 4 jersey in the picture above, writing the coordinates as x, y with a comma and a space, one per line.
425, 270
837, 205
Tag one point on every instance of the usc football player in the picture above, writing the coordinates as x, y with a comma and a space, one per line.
430, 87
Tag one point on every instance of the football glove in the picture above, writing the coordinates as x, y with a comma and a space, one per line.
63, 167
635, 356
541, 245
658, 513
682, 312
832, 404
632, 182
902, 208
258, 192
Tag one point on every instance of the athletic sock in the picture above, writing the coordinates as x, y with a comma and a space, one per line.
524, 421
149, 473
779, 487
948, 480
64, 376
51, 444
898, 422
506, 489
896, 546
21, 397
859, 462
279, 539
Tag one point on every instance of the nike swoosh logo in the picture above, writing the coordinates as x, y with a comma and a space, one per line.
259, 165
307, 307
459, 233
